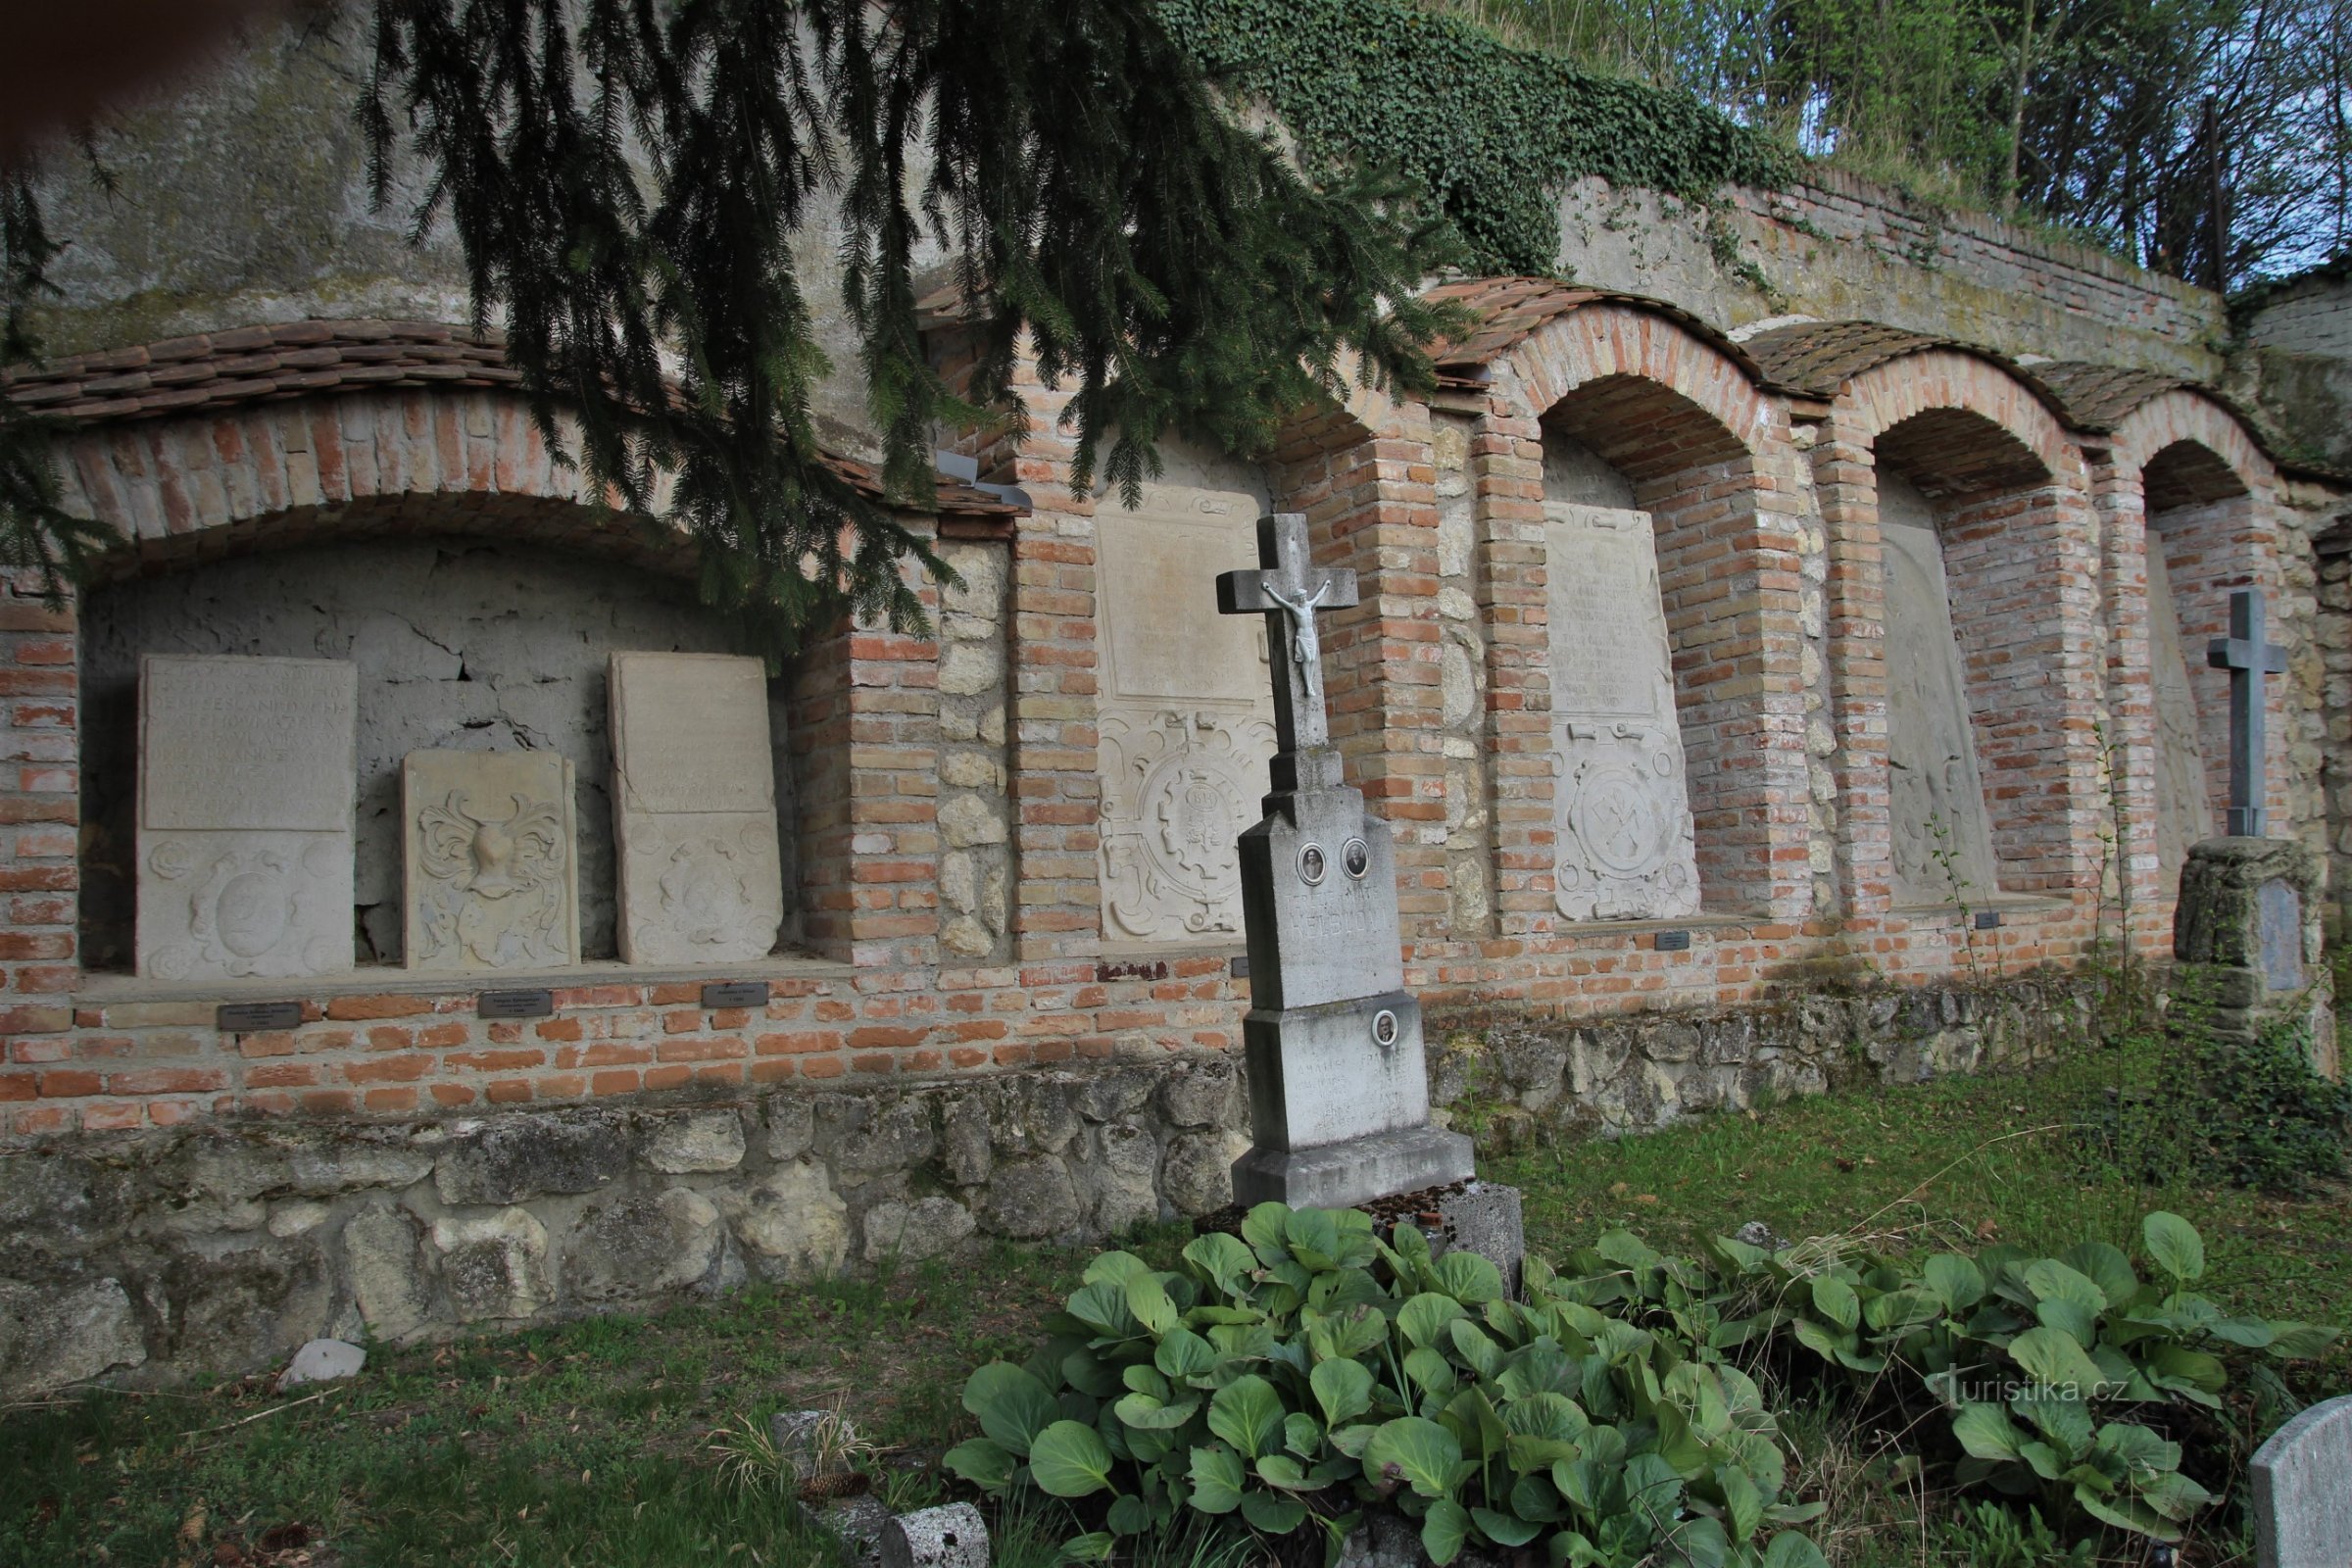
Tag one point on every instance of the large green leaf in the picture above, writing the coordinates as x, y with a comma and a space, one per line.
1835, 1300
1470, 1278
1103, 1307
1429, 1370
2054, 1356
1265, 1228
1115, 1268
1743, 1503
1276, 1516
1143, 1411
1222, 1260
1096, 1545
1130, 1515
1503, 1528
1954, 1280
1426, 1317
1313, 1235
1417, 1451
1248, 1413
984, 1464
2049, 1279
1183, 1356
1013, 1405
2174, 1245
1444, 1529
1070, 1460
1147, 1299
2127, 1513
1217, 1477
1986, 1431
1792, 1548
1344, 1389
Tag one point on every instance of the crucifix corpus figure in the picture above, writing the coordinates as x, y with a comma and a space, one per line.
2248, 656
1289, 586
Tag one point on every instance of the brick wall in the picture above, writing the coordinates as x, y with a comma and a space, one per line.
946, 789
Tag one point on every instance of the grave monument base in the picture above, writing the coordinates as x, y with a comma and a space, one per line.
1346, 1174
2246, 942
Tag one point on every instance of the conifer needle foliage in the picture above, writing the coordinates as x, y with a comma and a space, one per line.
36, 534
626, 179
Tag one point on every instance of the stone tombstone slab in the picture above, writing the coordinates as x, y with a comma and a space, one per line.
1186, 724
1623, 811
247, 772
2278, 924
694, 809
2303, 1490
2184, 814
1937, 789
492, 860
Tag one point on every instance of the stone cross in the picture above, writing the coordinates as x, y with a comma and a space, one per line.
1290, 588
2247, 657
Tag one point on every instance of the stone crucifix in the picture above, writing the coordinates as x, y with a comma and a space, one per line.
1290, 588
2248, 656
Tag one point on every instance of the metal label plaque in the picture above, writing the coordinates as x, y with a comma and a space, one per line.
735, 994
1674, 941
516, 1003
250, 1017
1989, 920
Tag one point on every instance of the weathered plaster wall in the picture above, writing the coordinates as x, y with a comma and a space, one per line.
2296, 365
240, 196
1837, 248
223, 1246
462, 643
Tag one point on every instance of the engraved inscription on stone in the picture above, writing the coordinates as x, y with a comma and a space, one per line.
492, 860
2278, 911
247, 770
247, 743
2182, 804
1622, 809
694, 807
1941, 832
1186, 719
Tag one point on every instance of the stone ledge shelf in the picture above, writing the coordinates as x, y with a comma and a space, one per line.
118, 990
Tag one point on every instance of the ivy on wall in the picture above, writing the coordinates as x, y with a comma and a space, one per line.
1494, 131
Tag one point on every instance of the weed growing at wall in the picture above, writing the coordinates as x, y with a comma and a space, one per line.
1491, 131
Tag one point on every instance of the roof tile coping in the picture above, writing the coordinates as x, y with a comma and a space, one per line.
299, 359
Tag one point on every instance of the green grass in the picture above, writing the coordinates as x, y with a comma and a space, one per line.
592, 1442
595, 1441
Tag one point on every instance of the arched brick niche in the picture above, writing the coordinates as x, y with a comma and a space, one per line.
2206, 500
2017, 546
1668, 423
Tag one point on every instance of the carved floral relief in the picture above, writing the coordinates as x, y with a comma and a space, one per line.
1178, 787
493, 874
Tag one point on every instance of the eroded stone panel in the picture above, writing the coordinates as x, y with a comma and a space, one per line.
246, 775
1187, 714
694, 809
493, 868
1623, 810
2182, 815
1942, 834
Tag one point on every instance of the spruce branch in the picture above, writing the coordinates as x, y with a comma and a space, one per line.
625, 179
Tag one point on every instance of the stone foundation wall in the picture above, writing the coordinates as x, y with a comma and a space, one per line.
224, 1245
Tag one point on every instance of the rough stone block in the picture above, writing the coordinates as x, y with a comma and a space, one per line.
952, 1537
1344, 1175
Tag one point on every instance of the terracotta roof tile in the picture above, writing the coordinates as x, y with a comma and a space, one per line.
253, 364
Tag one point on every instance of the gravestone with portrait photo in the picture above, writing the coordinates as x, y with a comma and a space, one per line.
1339, 1093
